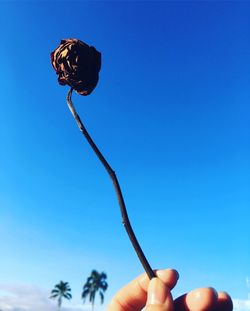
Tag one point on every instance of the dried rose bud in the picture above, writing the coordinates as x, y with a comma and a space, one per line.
77, 64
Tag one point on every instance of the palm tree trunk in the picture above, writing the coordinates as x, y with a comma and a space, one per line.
93, 305
59, 303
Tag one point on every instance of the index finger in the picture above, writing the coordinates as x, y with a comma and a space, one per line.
133, 296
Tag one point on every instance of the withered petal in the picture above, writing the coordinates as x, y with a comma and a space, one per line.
77, 65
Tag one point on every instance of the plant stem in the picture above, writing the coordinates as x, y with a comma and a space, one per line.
111, 172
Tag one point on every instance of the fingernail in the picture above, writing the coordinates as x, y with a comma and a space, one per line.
157, 292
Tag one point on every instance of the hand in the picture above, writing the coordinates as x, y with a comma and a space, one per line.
155, 295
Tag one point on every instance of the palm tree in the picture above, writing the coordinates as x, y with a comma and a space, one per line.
96, 282
60, 291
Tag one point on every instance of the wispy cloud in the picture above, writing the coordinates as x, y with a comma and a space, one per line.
241, 305
24, 297
29, 298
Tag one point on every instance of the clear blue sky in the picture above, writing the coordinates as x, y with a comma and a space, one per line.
170, 113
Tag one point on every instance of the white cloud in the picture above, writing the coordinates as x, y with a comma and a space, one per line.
20, 297
24, 297
241, 305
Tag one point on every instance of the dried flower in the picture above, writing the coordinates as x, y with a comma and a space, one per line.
77, 65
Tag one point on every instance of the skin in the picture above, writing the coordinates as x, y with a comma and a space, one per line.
155, 295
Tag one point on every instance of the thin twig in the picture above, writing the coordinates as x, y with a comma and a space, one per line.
124, 214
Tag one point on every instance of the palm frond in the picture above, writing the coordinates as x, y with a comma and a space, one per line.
67, 296
103, 276
54, 296
101, 296
85, 293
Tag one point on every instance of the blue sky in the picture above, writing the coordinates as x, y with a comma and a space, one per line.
170, 114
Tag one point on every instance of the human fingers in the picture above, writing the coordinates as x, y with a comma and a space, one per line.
224, 303
159, 297
200, 299
203, 299
133, 296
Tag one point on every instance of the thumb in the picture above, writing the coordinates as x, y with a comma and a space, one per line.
159, 297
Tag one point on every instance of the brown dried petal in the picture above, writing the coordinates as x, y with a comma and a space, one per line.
77, 65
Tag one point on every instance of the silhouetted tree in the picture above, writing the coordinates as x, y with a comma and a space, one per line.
95, 283
60, 291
